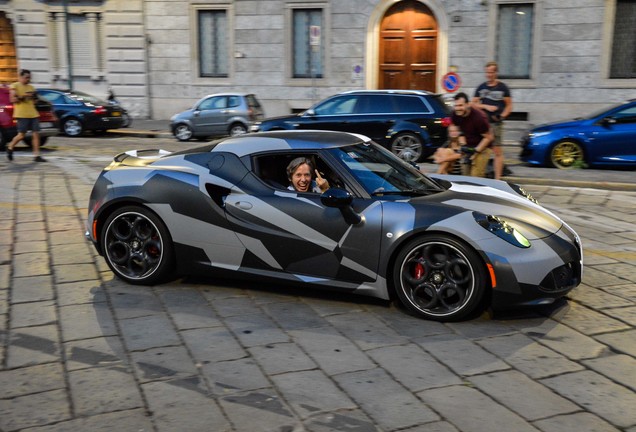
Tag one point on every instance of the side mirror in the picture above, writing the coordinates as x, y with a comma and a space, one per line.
341, 199
608, 120
310, 113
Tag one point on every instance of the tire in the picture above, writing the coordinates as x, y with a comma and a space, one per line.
72, 127
137, 246
4, 140
182, 132
438, 278
237, 129
29, 141
407, 146
127, 120
566, 155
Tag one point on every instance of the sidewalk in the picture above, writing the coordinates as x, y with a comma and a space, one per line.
610, 179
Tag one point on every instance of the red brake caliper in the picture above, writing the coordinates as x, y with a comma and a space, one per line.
418, 271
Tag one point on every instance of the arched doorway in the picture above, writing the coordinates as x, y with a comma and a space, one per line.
408, 47
8, 60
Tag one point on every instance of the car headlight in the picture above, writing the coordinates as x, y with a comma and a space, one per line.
539, 134
501, 229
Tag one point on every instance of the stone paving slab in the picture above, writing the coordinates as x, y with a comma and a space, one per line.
81, 350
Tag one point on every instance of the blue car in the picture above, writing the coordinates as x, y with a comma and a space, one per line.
605, 138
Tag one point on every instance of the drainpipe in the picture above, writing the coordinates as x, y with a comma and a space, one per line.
69, 56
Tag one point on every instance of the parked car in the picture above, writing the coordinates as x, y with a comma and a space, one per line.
79, 112
444, 249
8, 130
604, 138
217, 115
412, 124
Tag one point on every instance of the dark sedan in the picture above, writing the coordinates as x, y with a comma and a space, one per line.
604, 138
79, 112
412, 124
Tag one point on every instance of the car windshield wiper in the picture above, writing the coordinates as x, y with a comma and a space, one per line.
404, 192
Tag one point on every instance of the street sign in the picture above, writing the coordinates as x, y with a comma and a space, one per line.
314, 35
451, 82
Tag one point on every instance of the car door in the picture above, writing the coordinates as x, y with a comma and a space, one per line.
295, 233
209, 117
614, 136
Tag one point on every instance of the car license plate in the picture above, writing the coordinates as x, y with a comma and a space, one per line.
46, 125
116, 113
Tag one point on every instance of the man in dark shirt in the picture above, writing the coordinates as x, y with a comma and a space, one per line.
475, 127
493, 97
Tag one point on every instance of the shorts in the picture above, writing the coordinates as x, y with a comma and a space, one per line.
497, 129
478, 165
28, 124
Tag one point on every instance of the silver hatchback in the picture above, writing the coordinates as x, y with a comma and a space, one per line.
217, 115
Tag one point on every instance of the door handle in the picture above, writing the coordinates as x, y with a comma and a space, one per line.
243, 205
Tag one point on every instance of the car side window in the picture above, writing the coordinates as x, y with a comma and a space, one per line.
217, 102
627, 115
337, 106
272, 169
233, 101
374, 104
52, 97
411, 104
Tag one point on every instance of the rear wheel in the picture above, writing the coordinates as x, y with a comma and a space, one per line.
183, 132
72, 127
407, 146
438, 278
137, 246
566, 155
237, 129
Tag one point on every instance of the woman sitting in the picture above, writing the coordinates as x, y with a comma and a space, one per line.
448, 155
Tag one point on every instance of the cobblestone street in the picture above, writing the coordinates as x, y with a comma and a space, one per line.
82, 351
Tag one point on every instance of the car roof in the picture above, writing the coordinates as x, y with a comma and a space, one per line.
226, 94
396, 91
305, 140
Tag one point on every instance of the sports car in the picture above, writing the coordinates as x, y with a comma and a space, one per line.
446, 247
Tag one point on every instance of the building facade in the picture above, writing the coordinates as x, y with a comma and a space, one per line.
561, 59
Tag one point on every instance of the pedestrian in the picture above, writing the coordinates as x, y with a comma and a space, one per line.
23, 97
476, 129
447, 156
493, 97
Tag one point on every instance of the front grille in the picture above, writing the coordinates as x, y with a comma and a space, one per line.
564, 277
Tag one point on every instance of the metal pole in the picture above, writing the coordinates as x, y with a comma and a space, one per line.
69, 60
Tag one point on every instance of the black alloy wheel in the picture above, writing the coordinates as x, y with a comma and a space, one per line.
437, 277
137, 246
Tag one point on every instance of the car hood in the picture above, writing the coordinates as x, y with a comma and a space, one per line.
563, 124
529, 218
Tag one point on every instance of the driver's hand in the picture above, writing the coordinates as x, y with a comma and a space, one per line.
322, 183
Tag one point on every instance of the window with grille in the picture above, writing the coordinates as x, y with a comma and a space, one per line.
307, 56
85, 43
213, 43
514, 40
623, 64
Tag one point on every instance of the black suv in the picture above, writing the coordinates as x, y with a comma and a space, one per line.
412, 124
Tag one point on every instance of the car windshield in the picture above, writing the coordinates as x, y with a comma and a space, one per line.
603, 111
382, 173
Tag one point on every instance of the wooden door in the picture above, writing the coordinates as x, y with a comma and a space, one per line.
408, 47
8, 61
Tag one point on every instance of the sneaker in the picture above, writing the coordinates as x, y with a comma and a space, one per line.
9, 154
39, 159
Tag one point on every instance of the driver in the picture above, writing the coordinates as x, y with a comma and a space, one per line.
299, 173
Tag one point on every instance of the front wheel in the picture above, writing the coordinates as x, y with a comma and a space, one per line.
183, 132
566, 155
72, 127
407, 146
137, 246
438, 278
